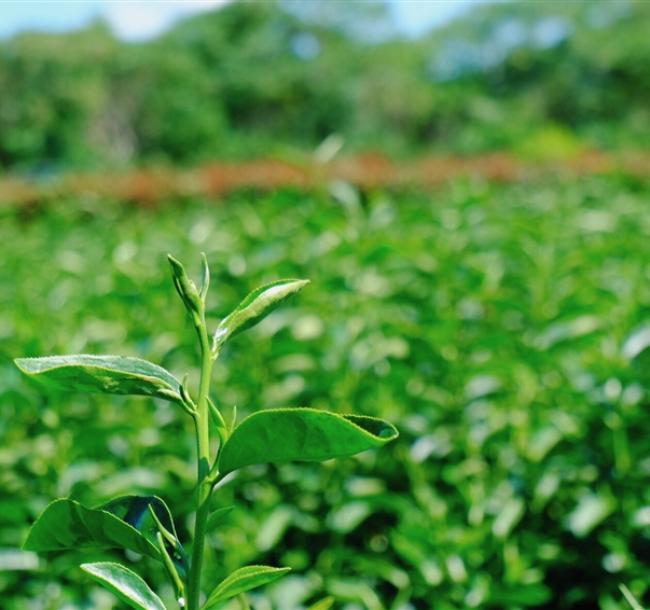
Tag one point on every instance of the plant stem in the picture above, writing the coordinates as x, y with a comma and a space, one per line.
204, 485
170, 567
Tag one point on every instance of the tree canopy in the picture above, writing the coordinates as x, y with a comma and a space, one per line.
273, 78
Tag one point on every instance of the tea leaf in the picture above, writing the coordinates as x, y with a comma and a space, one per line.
242, 580
590, 511
107, 374
283, 435
218, 516
126, 585
66, 524
185, 287
323, 604
258, 304
206, 277
135, 510
520, 595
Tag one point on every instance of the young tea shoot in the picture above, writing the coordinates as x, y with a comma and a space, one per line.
144, 524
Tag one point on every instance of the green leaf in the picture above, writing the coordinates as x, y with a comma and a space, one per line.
242, 580
185, 286
217, 517
258, 304
206, 277
135, 510
591, 510
66, 524
283, 435
323, 604
107, 374
127, 585
519, 595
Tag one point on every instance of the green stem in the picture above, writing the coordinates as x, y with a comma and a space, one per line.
204, 485
170, 567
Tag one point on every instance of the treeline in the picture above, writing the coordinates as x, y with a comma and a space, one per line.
255, 79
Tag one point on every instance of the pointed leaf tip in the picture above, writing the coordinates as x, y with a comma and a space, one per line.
242, 580
66, 524
125, 584
206, 277
218, 516
257, 304
275, 436
105, 373
185, 286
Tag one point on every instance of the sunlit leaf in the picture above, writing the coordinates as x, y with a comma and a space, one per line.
323, 604
271, 530
591, 510
242, 580
636, 343
255, 306
125, 584
107, 374
567, 330
508, 517
284, 435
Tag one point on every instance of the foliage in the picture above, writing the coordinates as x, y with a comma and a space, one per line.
504, 328
274, 78
144, 524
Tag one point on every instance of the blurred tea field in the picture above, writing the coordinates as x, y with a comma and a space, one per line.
504, 328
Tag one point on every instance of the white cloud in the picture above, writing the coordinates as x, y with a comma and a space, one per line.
142, 20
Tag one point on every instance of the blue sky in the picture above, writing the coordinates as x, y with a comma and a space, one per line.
141, 19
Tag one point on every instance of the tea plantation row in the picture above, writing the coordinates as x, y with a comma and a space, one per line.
504, 329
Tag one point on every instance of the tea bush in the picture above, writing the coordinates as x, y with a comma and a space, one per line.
503, 328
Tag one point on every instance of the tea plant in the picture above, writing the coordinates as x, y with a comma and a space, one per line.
144, 524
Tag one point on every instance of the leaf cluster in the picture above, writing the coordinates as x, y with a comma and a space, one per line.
144, 525
502, 327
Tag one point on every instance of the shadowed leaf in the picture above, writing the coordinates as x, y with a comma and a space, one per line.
66, 524
134, 510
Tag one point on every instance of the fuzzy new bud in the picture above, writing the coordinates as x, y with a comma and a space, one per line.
185, 286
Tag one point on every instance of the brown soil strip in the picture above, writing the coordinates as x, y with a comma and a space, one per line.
370, 171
